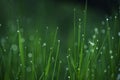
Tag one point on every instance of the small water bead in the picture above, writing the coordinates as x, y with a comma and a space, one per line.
119, 34
29, 55
60, 62
104, 47
68, 56
79, 19
96, 30
14, 47
67, 68
91, 43
111, 57
47, 27
92, 50
78, 69
75, 43
69, 49
105, 71
113, 38
118, 77
85, 46
94, 36
83, 35
44, 44
119, 69
22, 40
97, 40
103, 31
68, 77
107, 19
31, 61
101, 53
28, 69
0, 25
103, 23
110, 51
115, 17
58, 41
97, 48
18, 31
20, 64
108, 28
53, 59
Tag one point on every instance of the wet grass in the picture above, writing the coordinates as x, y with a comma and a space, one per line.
37, 56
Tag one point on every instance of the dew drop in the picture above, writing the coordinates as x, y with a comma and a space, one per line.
14, 47
107, 19
58, 41
29, 55
78, 69
94, 36
44, 44
111, 57
68, 77
110, 51
103, 23
103, 31
119, 69
118, 77
96, 30
119, 34
0, 25
91, 43
60, 62
18, 31
28, 69
112, 37
67, 68
105, 71
85, 46
69, 49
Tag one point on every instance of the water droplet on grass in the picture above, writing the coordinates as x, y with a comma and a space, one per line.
96, 30
44, 44
0, 25
28, 69
118, 77
78, 69
67, 68
68, 77
111, 57
69, 49
14, 47
85, 47
58, 41
119, 34
105, 71
107, 19
110, 51
29, 55
103, 31
18, 31
60, 61
94, 36
119, 69
103, 23
112, 37
91, 43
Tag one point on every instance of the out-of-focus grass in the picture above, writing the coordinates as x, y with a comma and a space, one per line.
39, 55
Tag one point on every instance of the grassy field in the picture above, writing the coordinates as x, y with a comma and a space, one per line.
91, 54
